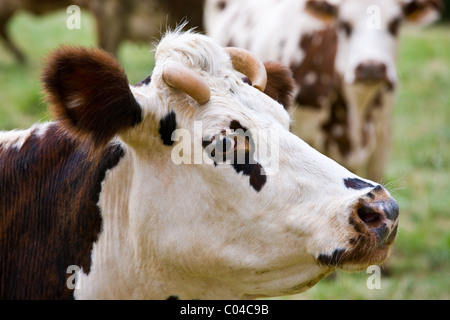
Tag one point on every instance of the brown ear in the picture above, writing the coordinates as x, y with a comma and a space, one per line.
322, 9
89, 94
422, 12
280, 83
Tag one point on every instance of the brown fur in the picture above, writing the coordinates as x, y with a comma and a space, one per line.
49, 217
415, 9
50, 187
280, 84
322, 9
375, 219
89, 93
319, 60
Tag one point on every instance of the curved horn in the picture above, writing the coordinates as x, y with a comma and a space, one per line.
247, 63
186, 80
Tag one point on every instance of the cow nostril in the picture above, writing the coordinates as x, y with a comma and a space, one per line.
371, 71
371, 218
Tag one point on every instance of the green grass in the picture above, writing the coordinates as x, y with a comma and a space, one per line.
418, 175
20, 91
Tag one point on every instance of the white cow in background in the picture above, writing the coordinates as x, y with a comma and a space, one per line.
343, 57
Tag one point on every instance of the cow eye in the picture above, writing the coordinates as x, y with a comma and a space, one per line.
346, 27
394, 26
224, 144
220, 146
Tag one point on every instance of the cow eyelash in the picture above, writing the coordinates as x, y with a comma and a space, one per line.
228, 142
346, 27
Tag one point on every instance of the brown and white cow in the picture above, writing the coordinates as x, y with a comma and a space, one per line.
106, 188
343, 57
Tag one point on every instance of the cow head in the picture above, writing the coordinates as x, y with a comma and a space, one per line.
368, 32
363, 43
211, 224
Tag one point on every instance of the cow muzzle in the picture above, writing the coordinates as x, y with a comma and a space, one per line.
376, 214
374, 220
371, 72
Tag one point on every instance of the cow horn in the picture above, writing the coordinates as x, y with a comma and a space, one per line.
179, 77
247, 63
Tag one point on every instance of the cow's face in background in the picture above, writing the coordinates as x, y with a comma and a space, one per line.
368, 35
365, 75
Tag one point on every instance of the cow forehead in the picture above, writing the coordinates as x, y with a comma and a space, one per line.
241, 100
362, 10
231, 99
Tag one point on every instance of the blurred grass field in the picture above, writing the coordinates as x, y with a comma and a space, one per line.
418, 175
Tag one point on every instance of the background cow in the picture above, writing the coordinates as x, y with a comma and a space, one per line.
342, 55
99, 189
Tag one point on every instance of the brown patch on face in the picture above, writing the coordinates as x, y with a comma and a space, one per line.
239, 152
49, 219
315, 76
89, 94
248, 166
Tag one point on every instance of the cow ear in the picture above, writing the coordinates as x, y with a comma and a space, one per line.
89, 93
422, 12
280, 83
325, 10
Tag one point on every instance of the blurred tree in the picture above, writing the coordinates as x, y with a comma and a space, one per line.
446, 14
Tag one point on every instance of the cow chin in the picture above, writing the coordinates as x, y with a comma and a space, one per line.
354, 259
